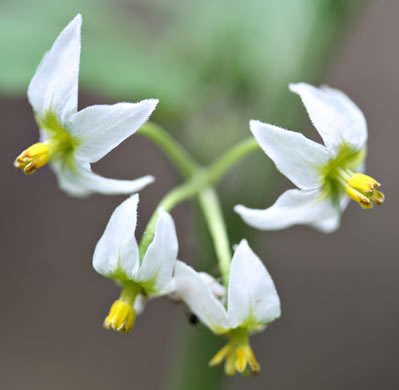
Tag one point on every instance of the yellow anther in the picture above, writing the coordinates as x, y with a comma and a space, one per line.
362, 189
220, 356
237, 355
121, 317
230, 364
252, 362
378, 197
33, 158
241, 361
359, 197
363, 183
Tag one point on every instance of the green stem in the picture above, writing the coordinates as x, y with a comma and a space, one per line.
219, 168
184, 191
179, 157
129, 293
211, 208
200, 179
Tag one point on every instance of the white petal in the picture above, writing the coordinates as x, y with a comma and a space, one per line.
156, 270
217, 289
81, 181
117, 249
139, 304
199, 298
55, 83
293, 207
252, 298
101, 128
295, 156
334, 115
331, 224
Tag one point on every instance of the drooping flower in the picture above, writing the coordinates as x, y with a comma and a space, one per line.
252, 303
70, 140
117, 257
327, 175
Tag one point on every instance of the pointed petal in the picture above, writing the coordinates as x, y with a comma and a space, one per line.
252, 298
199, 298
55, 83
102, 128
293, 207
334, 115
81, 181
156, 270
295, 156
117, 251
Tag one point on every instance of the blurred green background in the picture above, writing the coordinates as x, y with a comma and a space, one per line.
214, 65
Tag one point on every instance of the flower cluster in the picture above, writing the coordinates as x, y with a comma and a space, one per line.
327, 176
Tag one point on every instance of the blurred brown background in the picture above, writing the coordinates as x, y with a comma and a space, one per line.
340, 323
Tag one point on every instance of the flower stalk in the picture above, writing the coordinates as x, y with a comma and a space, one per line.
175, 152
211, 208
198, 184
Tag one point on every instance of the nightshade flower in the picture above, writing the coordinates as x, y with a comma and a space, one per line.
252, 303
70, 140
117, 257
327, 175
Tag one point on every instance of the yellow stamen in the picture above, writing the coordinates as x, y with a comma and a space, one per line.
237, 354
241, 362
230, 365
359, 197
121, 317
365, 179
252, 362
378, 197
220, 356
33, 158
362, 189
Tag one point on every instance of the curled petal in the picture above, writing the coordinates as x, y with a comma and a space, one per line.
156, 270
334, 115
253, 301
116, 253
102, 128
80, 181
295, 156
198, 296
54, 87
293, 207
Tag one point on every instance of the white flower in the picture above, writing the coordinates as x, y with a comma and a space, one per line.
72, 140
117, 257
252, 303
325, 174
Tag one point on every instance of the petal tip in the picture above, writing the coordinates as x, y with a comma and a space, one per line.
76, 22
239, 208
135, 197
295, 87
78, 17
151, 102
149, 179
256, 127
254, 122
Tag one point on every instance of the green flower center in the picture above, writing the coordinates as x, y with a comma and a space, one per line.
347, 159
62, 144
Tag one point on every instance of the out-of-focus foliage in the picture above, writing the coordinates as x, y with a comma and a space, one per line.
191, 55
